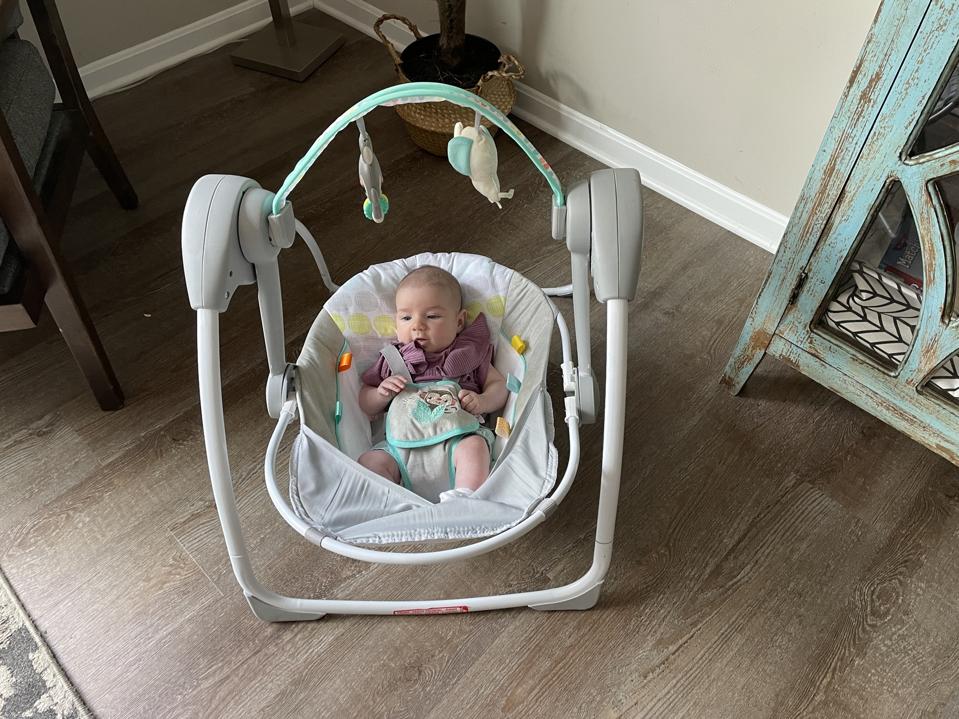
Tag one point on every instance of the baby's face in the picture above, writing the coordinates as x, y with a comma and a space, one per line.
429, 314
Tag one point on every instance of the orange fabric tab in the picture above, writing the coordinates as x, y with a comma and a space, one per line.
346, 361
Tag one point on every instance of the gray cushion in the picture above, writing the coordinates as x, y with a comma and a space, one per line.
26, 97
10, 23
26, 101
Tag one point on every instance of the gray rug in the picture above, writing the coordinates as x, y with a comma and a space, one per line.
32, 684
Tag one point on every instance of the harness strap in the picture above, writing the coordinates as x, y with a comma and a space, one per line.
395, 360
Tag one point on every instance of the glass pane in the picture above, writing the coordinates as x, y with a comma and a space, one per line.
945, 380
948, 191
875, 306
942, 126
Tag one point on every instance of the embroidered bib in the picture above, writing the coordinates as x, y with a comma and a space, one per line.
427, 413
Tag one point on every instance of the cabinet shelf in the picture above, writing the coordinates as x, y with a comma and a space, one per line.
877, 314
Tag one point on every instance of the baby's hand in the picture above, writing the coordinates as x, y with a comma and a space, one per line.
471, 401
391, 385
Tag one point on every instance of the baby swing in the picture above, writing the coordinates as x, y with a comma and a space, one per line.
233, 231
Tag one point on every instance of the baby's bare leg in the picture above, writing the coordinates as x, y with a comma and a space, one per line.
471, 460
381, 463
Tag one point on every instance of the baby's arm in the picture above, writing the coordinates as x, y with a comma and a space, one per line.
493, 397
374, 400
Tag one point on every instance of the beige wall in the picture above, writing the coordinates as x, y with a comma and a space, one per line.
741, 91
97, 28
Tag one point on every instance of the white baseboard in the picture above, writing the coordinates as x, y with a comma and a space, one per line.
700, 194
706, 197
139, 62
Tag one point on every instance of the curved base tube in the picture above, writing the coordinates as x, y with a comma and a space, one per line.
271, 606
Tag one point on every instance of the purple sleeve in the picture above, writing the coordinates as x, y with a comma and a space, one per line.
476, 332
377, 373
483, 369
471, 349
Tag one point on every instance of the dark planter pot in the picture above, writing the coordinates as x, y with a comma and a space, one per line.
421, 63
483, 71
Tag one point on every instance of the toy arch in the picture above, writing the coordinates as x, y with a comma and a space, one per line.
417, 92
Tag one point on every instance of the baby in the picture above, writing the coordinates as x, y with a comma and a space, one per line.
436, 343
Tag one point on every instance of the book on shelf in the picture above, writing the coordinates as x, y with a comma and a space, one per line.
903, 257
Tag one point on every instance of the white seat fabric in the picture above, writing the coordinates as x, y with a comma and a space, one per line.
340, 498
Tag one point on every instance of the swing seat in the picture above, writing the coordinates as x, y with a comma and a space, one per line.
339, 498
233, 231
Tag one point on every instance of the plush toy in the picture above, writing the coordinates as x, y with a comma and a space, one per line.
472, 152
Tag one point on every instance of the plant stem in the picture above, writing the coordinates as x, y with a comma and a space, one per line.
452, 31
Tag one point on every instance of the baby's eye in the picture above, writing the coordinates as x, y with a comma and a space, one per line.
405, 318
433, 317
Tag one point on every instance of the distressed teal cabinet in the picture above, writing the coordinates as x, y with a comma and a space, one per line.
862, 294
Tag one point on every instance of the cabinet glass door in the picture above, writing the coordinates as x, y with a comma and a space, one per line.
875, 305
879, 293
941, 126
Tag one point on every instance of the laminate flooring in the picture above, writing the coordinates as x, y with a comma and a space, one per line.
779, 554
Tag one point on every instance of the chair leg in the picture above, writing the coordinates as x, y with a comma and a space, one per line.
81, 337
23, 214
49, 28
109, 166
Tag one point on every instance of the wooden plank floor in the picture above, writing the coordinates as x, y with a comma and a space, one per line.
781, 554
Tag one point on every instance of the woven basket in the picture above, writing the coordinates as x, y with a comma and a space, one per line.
430, 124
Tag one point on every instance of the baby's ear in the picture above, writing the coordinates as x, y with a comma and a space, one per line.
461, 320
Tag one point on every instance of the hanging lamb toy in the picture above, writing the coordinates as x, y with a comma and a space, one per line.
472, 152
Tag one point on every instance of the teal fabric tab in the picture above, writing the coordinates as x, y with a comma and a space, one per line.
513, 384
338, 412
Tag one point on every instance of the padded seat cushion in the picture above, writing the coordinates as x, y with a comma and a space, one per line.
335, 495
26, 102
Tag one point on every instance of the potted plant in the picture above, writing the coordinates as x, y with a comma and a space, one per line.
456, 58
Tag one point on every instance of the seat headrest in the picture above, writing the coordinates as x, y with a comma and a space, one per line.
363, 307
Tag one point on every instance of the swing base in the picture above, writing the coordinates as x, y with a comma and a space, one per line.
269, 613
586, 600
